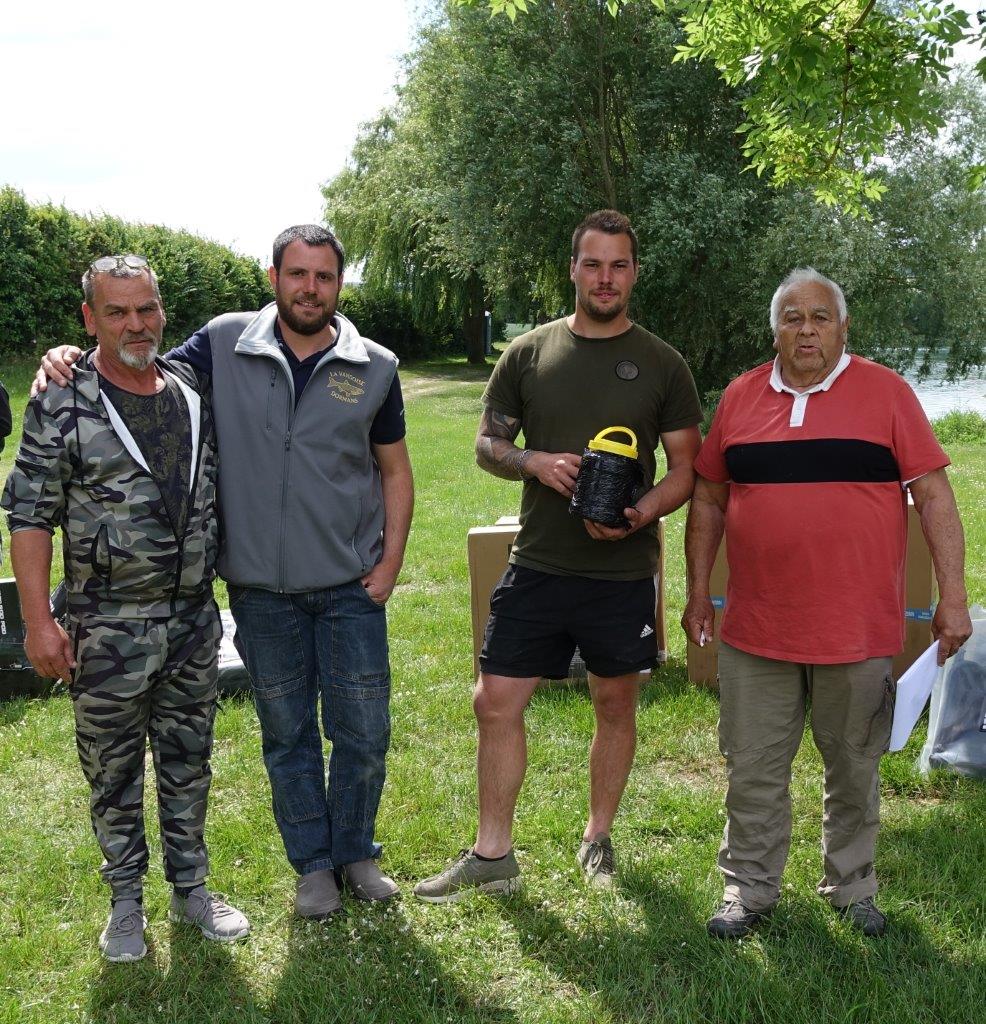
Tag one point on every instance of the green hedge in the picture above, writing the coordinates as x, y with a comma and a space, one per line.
387, 318
45, 249
960, 426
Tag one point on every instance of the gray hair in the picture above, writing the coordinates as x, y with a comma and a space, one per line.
89, 280
801, 275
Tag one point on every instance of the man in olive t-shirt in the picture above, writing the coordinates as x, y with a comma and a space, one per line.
573, 582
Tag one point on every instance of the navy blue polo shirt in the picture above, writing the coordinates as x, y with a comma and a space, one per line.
388, 425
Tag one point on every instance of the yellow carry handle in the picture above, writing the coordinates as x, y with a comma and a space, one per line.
600, 443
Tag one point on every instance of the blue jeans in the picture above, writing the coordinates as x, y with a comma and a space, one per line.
297, 648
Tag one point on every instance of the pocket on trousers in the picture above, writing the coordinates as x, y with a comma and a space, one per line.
276, 687
370, 601
88, 751
270, 641
877, 738
360, 657
301, 799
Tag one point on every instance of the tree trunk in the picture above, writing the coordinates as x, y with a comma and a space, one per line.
474, 322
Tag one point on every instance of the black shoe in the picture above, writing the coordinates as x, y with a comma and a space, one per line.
866, 917
733, 921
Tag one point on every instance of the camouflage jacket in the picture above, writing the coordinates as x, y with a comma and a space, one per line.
79, 468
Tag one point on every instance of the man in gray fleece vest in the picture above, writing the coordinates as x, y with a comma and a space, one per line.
316, 495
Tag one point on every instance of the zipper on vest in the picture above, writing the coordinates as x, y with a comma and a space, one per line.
270, 394
284, 503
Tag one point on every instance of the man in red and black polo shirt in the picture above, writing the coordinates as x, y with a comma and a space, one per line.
807, 468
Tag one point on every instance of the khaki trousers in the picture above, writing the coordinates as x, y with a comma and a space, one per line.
761, 723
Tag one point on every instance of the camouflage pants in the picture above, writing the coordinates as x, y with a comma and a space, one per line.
138, 679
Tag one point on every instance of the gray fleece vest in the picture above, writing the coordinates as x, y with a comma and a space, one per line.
299, 490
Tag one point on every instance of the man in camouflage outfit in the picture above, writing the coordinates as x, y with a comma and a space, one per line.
124, 461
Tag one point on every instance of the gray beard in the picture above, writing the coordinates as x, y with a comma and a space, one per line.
138, 361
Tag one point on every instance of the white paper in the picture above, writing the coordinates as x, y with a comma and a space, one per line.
913, 691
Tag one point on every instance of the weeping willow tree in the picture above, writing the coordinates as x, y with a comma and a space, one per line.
504, 135
391, 206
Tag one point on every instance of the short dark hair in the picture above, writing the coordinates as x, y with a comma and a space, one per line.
310, 234
612, 222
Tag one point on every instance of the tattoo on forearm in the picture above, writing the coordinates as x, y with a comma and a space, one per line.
495, 448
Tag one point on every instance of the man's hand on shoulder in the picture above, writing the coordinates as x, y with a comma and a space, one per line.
49, 650
56, 366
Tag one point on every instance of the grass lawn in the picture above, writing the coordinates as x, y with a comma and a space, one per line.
556, 952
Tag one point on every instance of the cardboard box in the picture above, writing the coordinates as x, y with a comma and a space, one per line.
920, 595
703, 662
488, 549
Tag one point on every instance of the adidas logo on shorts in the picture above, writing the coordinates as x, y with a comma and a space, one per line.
646, 631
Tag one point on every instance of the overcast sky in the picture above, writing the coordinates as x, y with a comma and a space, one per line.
219, 117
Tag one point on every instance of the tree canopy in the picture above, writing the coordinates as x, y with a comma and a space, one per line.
829, 82
505, 135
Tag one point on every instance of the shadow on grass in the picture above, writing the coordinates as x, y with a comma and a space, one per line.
201, 983
367, 966
804, 965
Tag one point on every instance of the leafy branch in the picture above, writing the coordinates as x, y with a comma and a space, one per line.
826, 87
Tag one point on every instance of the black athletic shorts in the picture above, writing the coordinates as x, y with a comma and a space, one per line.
537, 619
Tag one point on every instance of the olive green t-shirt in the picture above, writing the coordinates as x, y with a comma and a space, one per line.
564, 389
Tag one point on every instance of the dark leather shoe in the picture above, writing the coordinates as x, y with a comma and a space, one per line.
866, 917
733, 920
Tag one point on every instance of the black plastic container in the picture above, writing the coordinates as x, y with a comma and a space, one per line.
610, 479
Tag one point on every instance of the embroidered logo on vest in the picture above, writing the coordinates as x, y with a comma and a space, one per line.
345, 387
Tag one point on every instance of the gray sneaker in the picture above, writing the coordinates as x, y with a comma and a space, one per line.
317, 895
467, 873
122, 940
597, 861
365, 880
210, 913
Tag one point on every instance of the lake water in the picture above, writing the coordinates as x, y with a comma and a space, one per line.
938, 397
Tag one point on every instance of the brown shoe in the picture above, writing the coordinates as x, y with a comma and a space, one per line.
365, 880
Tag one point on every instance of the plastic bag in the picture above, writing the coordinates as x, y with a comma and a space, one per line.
957, 725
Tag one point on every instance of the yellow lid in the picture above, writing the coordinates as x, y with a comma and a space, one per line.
600, 444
